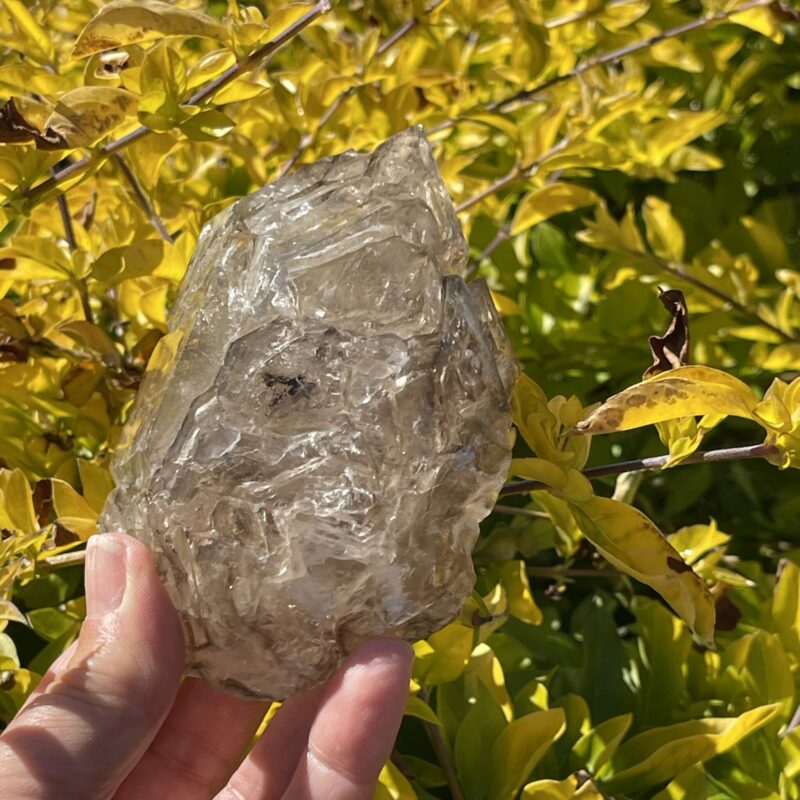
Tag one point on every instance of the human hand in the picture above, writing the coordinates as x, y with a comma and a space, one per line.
111, 718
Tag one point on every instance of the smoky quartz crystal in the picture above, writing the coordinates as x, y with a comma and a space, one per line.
324, 426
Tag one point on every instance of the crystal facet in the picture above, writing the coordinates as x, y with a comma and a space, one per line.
324, 426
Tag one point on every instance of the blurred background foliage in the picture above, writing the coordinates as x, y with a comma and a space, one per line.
596, 151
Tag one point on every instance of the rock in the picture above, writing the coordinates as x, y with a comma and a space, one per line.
324, 426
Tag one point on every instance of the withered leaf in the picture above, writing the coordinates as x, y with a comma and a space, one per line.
13, 349
42, 499
672, 349
15, 129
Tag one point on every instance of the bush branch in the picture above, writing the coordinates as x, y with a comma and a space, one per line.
655, 462
248, 64
442, 754
526, 96
142, 198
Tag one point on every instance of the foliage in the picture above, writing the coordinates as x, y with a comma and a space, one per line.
595, 150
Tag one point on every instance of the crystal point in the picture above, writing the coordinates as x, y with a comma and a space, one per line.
325, 425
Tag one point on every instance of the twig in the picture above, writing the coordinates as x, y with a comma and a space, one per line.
681, 273
69, 234
308, 139
520, 512
142, 198
568, 572
442, 754
655, 462
60, 561
38, 192
526, 96
513, 174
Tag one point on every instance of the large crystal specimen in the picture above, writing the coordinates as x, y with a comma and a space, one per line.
325, 425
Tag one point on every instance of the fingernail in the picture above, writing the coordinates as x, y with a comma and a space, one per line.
105, 575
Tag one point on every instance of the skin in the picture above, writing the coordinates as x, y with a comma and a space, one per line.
113, 719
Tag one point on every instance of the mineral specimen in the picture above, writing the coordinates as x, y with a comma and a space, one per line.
324, 426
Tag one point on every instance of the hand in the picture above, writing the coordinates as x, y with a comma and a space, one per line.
112, 719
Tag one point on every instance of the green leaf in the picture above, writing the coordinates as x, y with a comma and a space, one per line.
662, 753
519, 747
596, 747
786, 609
474, 741
691, 784
417, 707
631, 542
50, 623
552, 199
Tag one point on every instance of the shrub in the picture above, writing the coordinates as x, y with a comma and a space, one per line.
596, 152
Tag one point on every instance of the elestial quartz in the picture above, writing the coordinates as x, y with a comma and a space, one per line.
324, 426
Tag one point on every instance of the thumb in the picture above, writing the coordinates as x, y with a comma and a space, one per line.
99, 711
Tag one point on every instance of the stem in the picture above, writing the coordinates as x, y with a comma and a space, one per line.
520, 512
526, 96
38, 192
442, 754
69, 234
681, 273
567, 572
655, 462
142, 198
394, 37
60, 561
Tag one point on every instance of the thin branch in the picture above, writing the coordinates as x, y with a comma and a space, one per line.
520, 512
49, 563
655, 462
252, 62
309, 138
570, 572
526, 96
142, 198
69, 234
442, 754
514, 174
681, 273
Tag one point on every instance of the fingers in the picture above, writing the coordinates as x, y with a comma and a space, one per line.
349, 740
269, 768
98, 713
200, 744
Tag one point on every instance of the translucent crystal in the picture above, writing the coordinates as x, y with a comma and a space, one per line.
324, 426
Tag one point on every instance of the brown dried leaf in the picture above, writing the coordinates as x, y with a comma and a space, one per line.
672, 349
15, 129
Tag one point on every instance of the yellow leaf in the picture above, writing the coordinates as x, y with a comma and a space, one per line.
393, 785
662, 753
442, 657
555, 198
762, 20
519, 747
96, 483
783, 357
562, 790
664, 234
72, 510
681, 392
694, 541
690, 784
84, 115
631, 542
35, 40
123, 22
538, 469
518, 592
505, 305
16, 496
786, 609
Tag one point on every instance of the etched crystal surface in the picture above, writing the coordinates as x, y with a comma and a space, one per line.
325, 424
